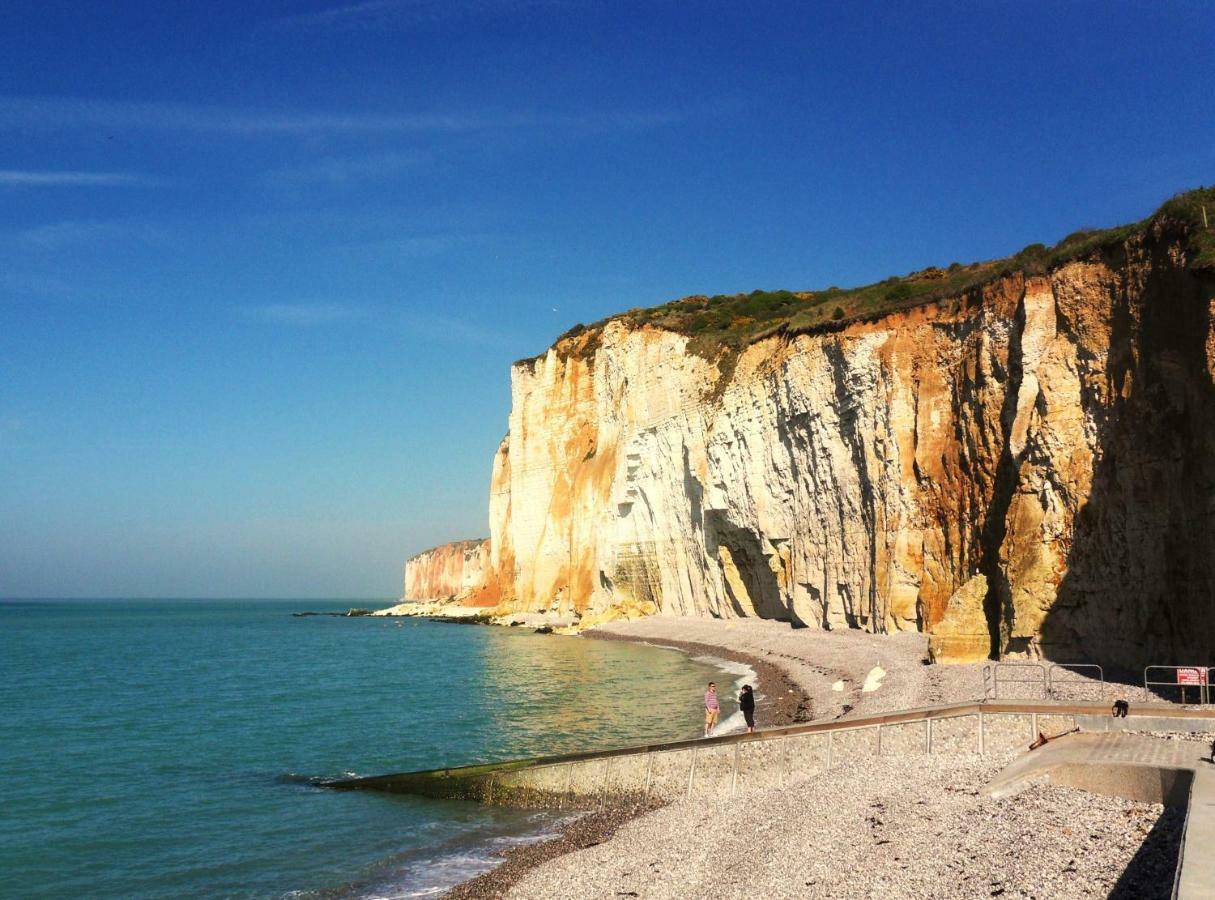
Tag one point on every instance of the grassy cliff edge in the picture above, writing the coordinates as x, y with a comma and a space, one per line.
721, 326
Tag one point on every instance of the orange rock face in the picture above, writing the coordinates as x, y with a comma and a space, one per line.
1053, 434
447, 571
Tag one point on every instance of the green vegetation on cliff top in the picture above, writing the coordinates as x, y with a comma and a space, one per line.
726, 323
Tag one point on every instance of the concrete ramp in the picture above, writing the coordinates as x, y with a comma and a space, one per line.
1131, 766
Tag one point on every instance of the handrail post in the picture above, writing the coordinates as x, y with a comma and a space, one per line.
692, 772
734, 774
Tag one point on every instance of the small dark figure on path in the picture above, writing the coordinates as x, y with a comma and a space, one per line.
1121, 708
746, 702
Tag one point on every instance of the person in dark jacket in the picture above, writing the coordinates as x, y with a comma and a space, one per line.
746, 702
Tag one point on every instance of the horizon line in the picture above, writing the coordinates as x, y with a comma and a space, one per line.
153, 598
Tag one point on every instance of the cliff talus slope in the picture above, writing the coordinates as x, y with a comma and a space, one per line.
1024, 467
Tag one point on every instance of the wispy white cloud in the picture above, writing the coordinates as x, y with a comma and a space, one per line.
345, 171
47, 178
301, 314
433, 328
57, 235
369, 13
412, 246
451, 330
66, 113
369, 10
36, 284
51, 113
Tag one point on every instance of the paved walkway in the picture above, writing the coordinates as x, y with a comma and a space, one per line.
1112, 746
1132, 766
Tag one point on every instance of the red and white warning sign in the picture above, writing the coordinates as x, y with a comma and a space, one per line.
1192, 675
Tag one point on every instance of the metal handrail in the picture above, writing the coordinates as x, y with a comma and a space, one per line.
1073, 667
1010, 668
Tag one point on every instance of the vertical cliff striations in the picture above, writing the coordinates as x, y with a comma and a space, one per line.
1025, 467
447, 571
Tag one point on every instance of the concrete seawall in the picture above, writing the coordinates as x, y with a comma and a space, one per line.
734, 764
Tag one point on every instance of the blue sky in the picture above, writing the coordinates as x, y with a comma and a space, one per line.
264, 265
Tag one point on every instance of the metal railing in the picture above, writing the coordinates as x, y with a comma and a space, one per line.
1040, 681
1015, 681
1079, 682
1186, 684
1075, 681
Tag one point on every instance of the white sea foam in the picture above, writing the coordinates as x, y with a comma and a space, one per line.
436, 874
744, 674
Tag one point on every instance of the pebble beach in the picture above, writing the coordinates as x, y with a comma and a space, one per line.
892, 827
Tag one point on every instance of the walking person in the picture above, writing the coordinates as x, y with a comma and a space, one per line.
712, 708
746, 702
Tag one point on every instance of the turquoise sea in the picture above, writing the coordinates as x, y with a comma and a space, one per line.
161, 748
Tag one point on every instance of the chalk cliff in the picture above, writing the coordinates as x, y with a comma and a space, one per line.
447, 571
1025, 467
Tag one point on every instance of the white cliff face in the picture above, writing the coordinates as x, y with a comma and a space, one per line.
861, 478
793, 494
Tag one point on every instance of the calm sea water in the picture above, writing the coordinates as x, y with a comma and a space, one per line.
150, 748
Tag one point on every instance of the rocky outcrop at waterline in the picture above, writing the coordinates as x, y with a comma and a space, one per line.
1023, 466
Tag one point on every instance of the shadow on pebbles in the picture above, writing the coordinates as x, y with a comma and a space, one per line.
880, 828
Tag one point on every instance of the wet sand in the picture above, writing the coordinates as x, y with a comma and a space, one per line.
587, 831
837, 673
781, 699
